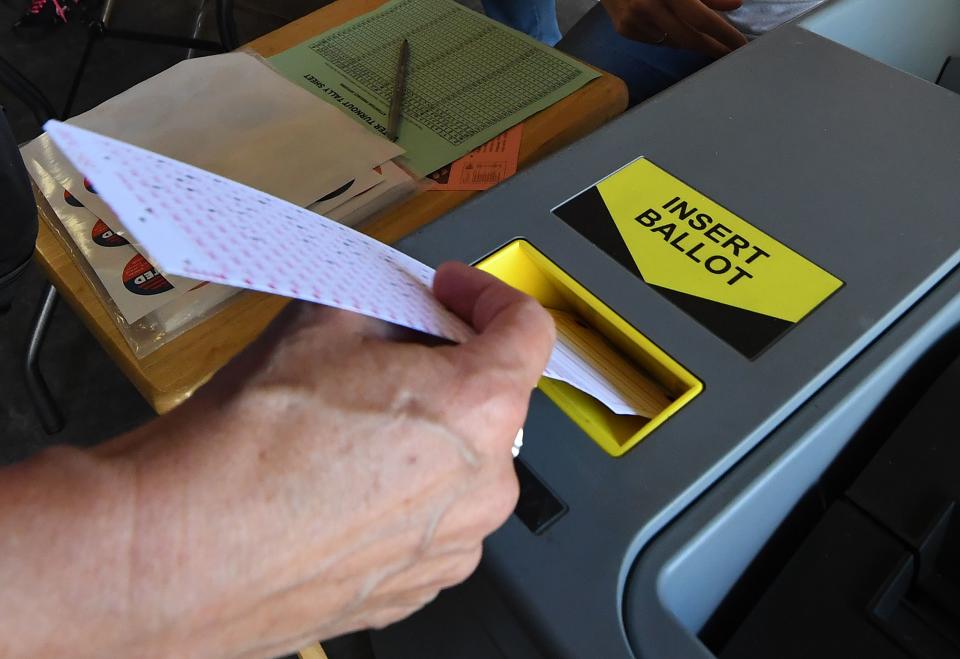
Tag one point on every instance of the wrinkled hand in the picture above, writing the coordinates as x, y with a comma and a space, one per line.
331, 478
691, 24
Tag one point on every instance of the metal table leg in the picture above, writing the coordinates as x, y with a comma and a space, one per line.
51, 418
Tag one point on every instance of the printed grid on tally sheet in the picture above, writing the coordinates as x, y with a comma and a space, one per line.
466, 75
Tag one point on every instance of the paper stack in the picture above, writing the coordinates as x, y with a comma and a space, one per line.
390, 184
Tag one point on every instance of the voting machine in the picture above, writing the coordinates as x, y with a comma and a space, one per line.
774, 241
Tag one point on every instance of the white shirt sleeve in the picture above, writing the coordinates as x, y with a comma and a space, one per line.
756, 17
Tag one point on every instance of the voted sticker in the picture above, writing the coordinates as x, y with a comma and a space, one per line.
140, 277
105, 236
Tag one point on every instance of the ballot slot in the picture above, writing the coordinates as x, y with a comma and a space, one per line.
584, 319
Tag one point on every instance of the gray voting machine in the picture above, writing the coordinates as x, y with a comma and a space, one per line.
774, 241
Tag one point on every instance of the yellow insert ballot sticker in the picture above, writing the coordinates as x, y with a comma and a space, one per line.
744, 285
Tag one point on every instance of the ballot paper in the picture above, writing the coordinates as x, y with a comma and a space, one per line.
201, 225
470, 78
648, 397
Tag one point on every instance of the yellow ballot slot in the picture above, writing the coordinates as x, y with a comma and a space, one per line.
583, 319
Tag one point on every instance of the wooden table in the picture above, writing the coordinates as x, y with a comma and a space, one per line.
170, 374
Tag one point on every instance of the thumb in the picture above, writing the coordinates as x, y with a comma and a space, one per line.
514, 330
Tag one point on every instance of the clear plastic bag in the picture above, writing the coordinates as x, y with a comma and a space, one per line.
85, 240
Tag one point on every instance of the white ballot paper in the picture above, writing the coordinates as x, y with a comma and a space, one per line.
201, 225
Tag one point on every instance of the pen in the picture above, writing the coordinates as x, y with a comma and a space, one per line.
399, 87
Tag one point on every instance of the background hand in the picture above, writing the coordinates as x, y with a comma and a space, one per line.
691, 24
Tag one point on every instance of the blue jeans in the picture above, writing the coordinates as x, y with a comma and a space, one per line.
538, 18
646, 69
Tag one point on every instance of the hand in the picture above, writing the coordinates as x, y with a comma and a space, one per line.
333, 477
691, 24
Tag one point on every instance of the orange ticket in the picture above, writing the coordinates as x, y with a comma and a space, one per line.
483, 167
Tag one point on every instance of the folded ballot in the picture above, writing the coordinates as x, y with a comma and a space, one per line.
201, 225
